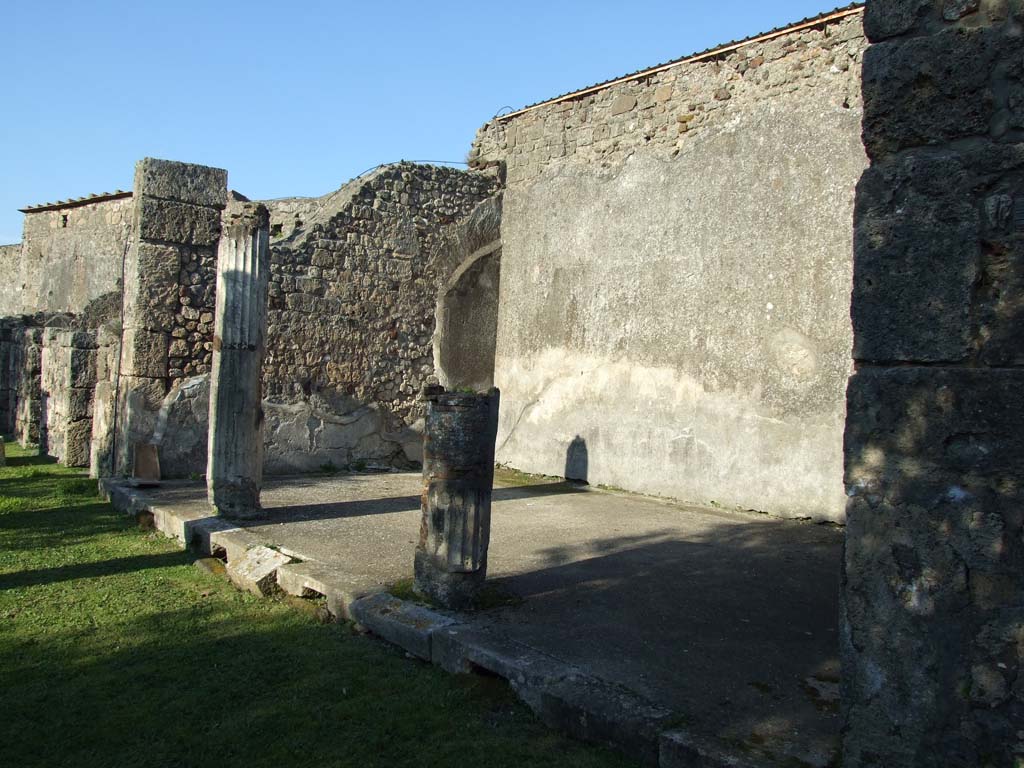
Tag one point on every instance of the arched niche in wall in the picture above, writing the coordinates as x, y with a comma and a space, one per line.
466, 315
467, 322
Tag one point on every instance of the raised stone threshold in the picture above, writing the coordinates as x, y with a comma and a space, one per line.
562, 694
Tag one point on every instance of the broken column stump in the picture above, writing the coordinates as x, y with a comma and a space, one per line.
235, 460
458, 472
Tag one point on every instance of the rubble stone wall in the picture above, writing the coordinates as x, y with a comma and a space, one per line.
676, 274
352, 300
932, 631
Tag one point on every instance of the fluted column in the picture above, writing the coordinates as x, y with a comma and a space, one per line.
458, 472
235, 460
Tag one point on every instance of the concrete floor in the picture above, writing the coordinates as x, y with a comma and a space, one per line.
729, 619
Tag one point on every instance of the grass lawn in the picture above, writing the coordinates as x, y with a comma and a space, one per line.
116, 651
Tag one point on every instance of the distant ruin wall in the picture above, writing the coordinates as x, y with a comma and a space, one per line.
10, 267
676, 274
70, 256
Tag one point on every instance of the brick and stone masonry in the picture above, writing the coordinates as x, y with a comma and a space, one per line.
176, 229
235, 465
932, 633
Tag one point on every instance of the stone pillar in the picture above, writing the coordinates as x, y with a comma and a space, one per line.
175, 227
68, 378
458, 472
932, 633
235, 464
28, 365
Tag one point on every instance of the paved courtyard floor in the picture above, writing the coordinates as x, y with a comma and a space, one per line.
729, 619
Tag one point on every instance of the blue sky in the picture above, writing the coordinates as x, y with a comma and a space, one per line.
296, 98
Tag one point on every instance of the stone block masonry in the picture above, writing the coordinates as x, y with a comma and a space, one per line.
68, 380
168, 291
933, 594
676, 273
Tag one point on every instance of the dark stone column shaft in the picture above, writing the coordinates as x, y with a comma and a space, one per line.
458, 473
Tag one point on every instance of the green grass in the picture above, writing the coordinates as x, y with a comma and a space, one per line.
116, 651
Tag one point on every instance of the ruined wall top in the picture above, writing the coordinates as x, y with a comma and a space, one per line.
181, 182
660, 111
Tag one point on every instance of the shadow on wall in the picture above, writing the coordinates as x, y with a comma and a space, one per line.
577, 460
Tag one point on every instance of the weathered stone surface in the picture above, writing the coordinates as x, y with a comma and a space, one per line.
596, 711
934, 562
929, 90
182, 428
466, 648
339, 587
916, 261
235, 443
183, 182
80, 403
680, 749
256, 570
68, 258
888, 18
145, 354
466, 329
172, 222
77, 439
933, 623
623, 103
458, 472
407, 625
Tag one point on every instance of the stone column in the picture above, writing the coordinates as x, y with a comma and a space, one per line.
932, 632
458, 472
235, 464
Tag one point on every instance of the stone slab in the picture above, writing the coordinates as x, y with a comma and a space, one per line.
339, 587
679, 749
405, 624
464, 648
603, 713
172, 222
184, 182
256, 570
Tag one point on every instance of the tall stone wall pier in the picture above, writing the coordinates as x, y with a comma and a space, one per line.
28, 399
101, 448
168, 306
11, 335
235, 465
933, 594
